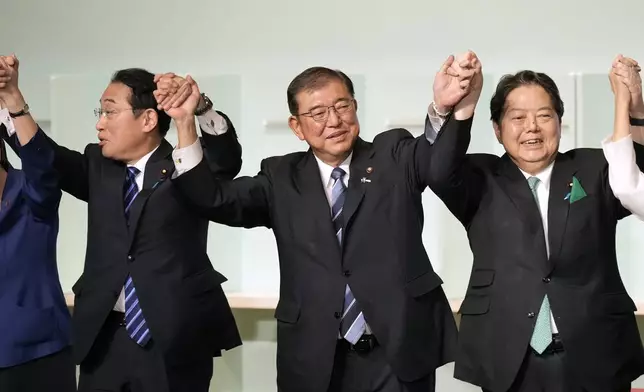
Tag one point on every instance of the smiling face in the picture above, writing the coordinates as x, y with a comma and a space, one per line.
328, 122
324, 113
530, 129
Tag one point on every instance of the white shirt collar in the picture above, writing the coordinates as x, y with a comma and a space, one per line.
543, 176
140, 164
326, 169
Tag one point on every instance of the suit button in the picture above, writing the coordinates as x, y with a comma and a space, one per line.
338, 315
531, 314
546, 280
346, 273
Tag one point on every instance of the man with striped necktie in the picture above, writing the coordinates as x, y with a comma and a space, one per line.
361, 308
149, 312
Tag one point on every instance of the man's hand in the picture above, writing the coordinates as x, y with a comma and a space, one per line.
171, 91
627, 71
619, 87
187, 99
470, 66
451, 83
447, 87
177, 96
9, 92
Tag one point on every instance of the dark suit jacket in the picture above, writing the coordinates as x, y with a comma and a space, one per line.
164, 250
383, 258
512, 272
35, 320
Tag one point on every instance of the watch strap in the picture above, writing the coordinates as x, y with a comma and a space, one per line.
638, 122
201, 111
22, 112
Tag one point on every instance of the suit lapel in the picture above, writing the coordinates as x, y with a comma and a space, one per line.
113, 181
562, 174
515, 185
308, 184
361, 160
157, 170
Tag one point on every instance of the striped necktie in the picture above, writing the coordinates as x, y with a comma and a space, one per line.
353, 324
135, 324
542, 333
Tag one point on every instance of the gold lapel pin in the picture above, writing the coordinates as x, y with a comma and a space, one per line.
369, 170
164, 171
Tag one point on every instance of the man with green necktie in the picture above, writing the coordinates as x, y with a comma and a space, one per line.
545, 307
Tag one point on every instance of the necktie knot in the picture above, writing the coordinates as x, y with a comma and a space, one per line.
337, 173
533, 182
132, 172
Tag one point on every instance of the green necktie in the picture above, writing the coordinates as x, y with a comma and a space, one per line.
542, 334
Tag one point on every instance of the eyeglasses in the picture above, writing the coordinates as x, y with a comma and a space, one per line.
321, 113
111, 112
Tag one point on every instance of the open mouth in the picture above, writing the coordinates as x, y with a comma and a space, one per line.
533, 142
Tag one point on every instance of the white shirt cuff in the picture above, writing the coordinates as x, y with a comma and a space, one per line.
213, 123
7, 121
436, 123
623, 174
186, 158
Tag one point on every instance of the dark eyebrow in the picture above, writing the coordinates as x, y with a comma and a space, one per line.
335, 103
107, 100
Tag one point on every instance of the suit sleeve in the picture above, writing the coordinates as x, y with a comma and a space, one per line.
242, 202
41, 190
71, 166
625, 178
223, 152
450, 174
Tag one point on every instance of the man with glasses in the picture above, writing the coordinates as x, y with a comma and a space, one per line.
149, 311
360, 306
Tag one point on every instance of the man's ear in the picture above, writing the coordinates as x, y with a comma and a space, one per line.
150, 120
296, 127
497, 132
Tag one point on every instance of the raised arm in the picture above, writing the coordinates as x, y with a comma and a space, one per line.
450, 175
243, 202
624, 157
222, 150
70, 166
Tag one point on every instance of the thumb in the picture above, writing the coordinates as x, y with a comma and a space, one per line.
13, 61
193, 84
447, 64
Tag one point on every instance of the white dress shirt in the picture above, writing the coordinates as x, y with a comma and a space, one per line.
543, 193
327, 183
140, 164
625, 178
543, 189
211, 122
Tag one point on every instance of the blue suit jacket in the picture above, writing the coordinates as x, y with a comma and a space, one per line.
34, 320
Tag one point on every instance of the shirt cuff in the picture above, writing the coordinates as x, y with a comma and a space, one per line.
5, 119
623, 173
187, 158
212, 123
619, 151
435, 124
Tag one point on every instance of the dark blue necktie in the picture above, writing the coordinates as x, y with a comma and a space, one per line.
353, 324
135, 323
